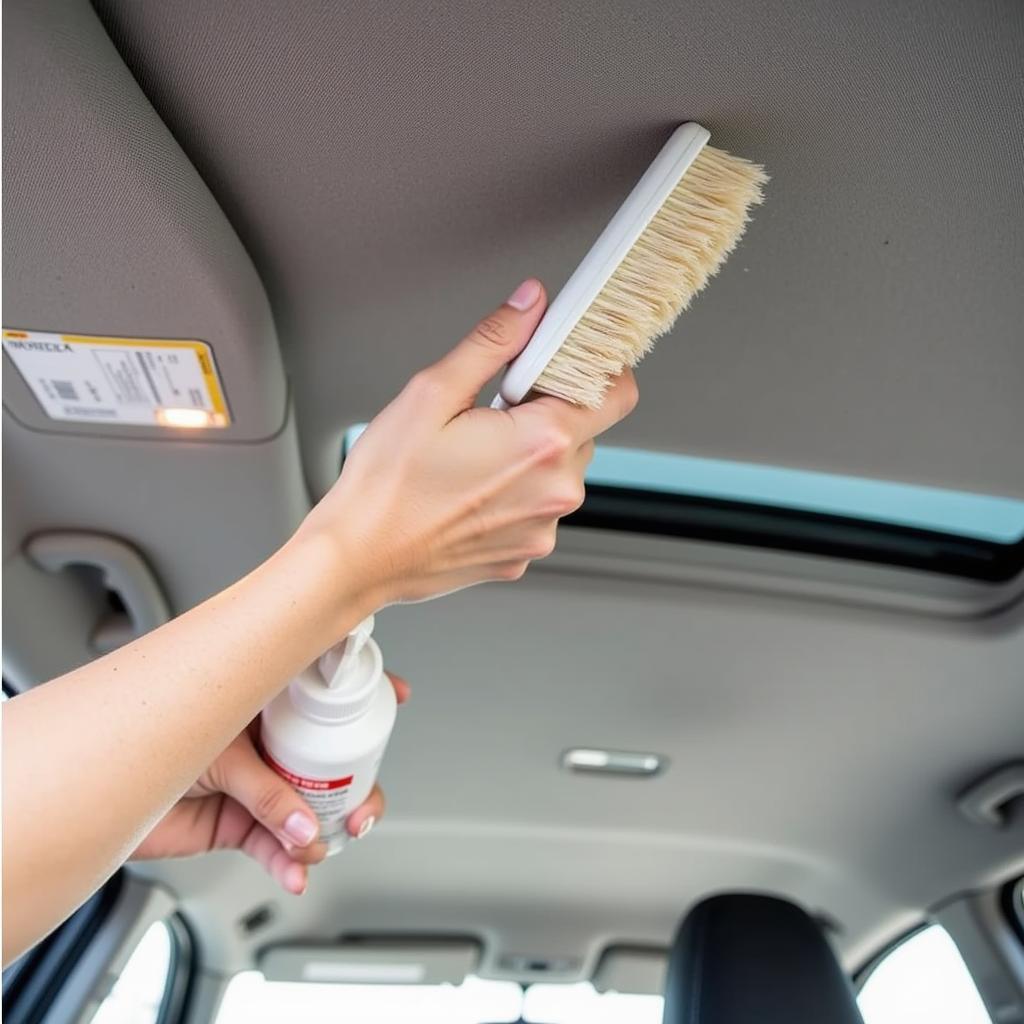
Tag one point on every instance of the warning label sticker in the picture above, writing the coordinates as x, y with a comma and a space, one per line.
86, 379
329, 799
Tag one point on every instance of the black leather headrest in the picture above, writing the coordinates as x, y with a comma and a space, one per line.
749, 959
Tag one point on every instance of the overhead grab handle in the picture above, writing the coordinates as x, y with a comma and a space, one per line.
986, 802
123, 571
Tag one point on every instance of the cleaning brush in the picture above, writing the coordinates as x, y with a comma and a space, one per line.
673, 232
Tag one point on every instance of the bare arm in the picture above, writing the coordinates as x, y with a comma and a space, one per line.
436, 496
93, 759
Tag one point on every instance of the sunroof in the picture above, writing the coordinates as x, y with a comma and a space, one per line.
954, 533
924, 508
962, 514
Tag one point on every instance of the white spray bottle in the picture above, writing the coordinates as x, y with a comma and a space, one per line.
326, 732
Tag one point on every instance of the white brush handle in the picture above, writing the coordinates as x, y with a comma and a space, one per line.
629, 222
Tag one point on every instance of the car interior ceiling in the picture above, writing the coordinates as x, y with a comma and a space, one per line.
328, 196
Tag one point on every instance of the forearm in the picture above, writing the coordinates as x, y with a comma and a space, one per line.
94, 758
435, 496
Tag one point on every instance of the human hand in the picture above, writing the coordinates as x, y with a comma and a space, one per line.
239, 803
437, 495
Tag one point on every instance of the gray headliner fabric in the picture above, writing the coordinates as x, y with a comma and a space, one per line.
816, 751
394, 172
396, 168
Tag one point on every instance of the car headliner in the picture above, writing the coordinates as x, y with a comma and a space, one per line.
335, 194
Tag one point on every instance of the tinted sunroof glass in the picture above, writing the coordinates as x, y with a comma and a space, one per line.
925, 508
985, 517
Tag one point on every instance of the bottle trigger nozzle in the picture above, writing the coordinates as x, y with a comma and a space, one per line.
342, 658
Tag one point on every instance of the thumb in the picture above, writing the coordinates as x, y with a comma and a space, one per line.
243, 775
493, 343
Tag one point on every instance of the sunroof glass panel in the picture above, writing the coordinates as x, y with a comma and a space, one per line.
986, 517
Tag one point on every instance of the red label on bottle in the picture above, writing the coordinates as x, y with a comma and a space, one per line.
302, 782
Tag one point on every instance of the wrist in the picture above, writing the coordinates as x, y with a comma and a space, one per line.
341, 588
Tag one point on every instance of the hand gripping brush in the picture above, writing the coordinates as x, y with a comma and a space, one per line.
673, 232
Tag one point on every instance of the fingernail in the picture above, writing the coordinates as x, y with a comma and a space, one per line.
300, 828
525, 295
366, 826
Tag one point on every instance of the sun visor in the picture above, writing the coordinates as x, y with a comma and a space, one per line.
131, 307
637, 970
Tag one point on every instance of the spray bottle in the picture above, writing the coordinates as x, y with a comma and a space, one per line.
326, 732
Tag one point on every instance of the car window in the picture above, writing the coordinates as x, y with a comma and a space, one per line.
251, 999
583, 1004
139, 991
923, 980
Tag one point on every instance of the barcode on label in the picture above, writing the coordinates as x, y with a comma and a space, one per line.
65, 390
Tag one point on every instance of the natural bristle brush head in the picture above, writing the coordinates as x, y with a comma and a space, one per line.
671, 235
685, 244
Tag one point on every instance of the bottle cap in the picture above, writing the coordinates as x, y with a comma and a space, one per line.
341, 685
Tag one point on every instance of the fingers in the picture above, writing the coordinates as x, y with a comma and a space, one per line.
366, 815
454, 382
584, 456
266, 849
585, 424
403, 691
242, 774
